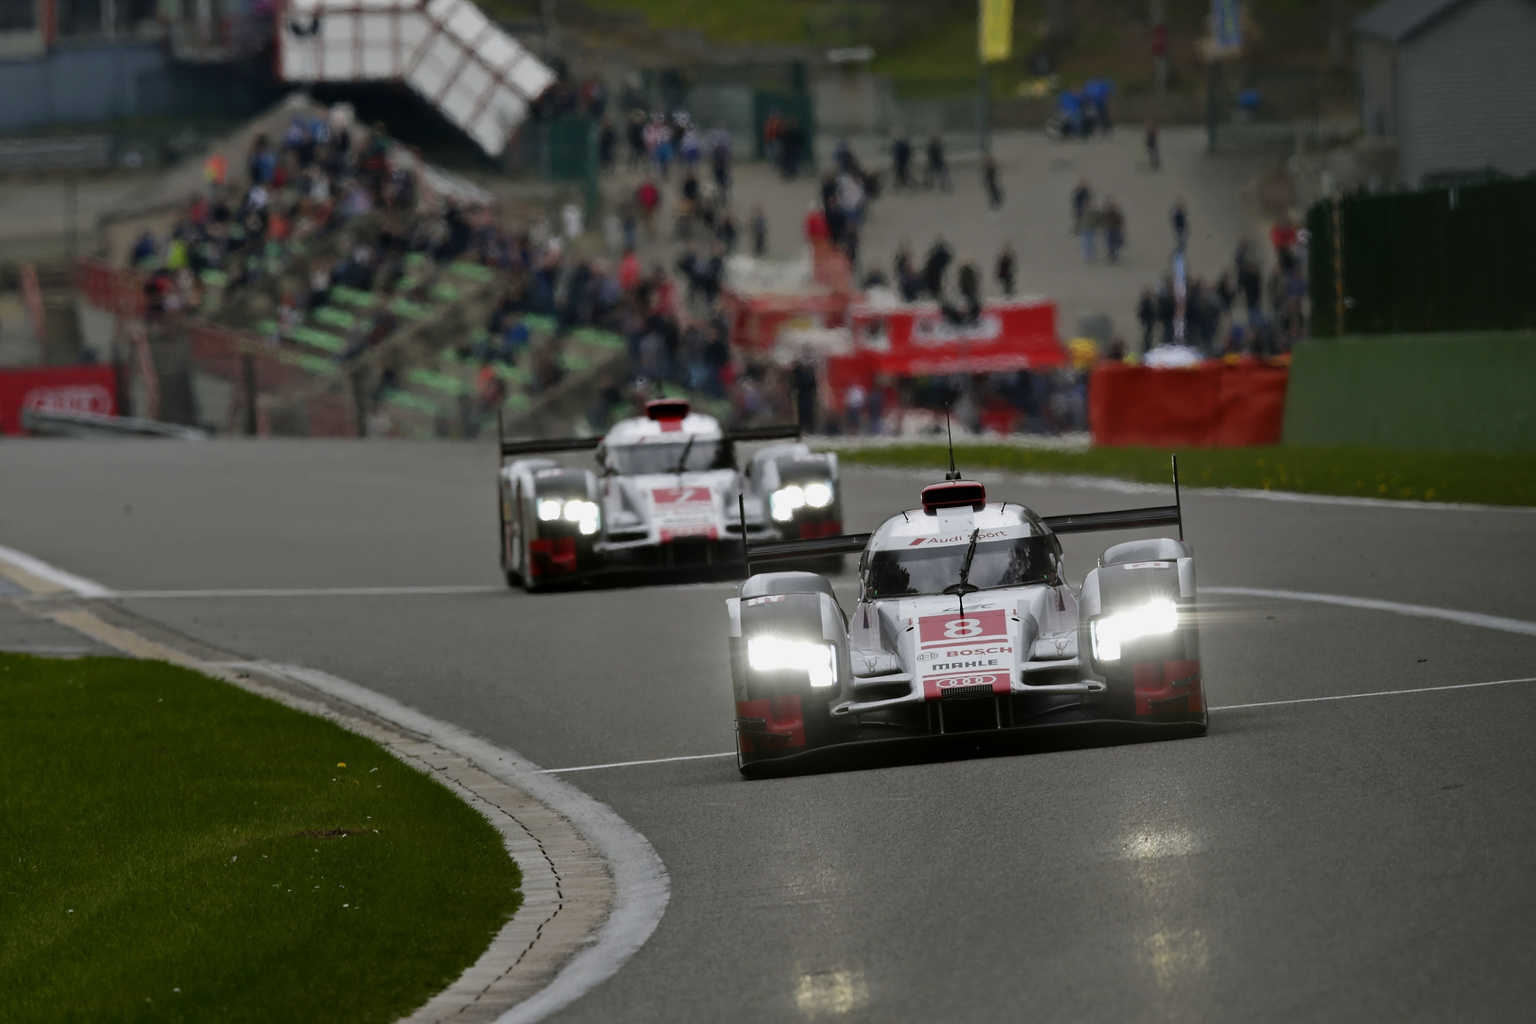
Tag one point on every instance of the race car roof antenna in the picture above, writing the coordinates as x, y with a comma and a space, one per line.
741, 510
1176, 502
953, 474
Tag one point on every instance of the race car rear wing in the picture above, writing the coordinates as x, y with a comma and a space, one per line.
541, 446
848, 544
1085, 522
1120, 519
778, 432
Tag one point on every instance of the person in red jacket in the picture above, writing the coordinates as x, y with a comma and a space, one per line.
648, 198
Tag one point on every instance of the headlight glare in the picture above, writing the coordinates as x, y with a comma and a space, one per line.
776, 654
584, 513
1109, 632
785, 501
818, 494
549, 509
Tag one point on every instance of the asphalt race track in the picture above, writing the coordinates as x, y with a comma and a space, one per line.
1359, 859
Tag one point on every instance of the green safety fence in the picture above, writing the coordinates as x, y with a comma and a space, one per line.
1468, 391
1445, 259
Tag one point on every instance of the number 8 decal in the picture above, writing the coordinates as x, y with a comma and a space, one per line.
961, 629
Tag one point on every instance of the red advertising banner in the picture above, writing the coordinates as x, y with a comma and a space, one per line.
917, 340
1209, 405
91, 389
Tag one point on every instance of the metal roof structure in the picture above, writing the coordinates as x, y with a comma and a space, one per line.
448, 51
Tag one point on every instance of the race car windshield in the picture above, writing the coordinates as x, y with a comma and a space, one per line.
1011, 562
638, 459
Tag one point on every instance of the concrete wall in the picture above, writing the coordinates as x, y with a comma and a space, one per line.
1468, 91
1456, 391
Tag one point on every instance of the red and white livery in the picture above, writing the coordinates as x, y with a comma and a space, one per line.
966, 627
667, 495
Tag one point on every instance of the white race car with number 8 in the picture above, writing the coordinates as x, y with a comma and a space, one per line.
965, 626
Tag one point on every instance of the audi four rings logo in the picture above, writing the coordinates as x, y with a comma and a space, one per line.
949, 684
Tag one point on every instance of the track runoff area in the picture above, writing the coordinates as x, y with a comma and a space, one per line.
1352, 839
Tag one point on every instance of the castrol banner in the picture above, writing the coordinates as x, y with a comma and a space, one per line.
88, 389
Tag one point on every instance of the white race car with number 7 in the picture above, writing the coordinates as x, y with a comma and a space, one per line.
667, 498
965, 628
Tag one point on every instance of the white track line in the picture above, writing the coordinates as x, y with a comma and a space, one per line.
1424, 611
42, 570
1225, 707
1118, 485
1378, 693
630, 764
141, 595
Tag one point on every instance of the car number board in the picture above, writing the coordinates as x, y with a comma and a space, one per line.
967, 655
683, 512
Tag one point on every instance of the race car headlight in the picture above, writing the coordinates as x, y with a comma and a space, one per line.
785, 501
583, 513
775, 654
1109, 632
818, 494
549, 509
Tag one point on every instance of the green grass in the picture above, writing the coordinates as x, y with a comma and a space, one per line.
1477, 477
173, 848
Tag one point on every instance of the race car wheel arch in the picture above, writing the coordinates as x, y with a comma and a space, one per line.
780, 710
573, 551
1157, 672
506, 512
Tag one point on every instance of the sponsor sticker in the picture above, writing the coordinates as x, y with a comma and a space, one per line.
965, 538
684, 512
935, 687
973, 627
1149, 565
965, 651
767, 599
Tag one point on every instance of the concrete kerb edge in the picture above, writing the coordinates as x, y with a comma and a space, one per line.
593, 888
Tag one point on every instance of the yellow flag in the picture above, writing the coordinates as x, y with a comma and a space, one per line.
996, 29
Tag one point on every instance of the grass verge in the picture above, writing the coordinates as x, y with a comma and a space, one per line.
173, 848
1475, 477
